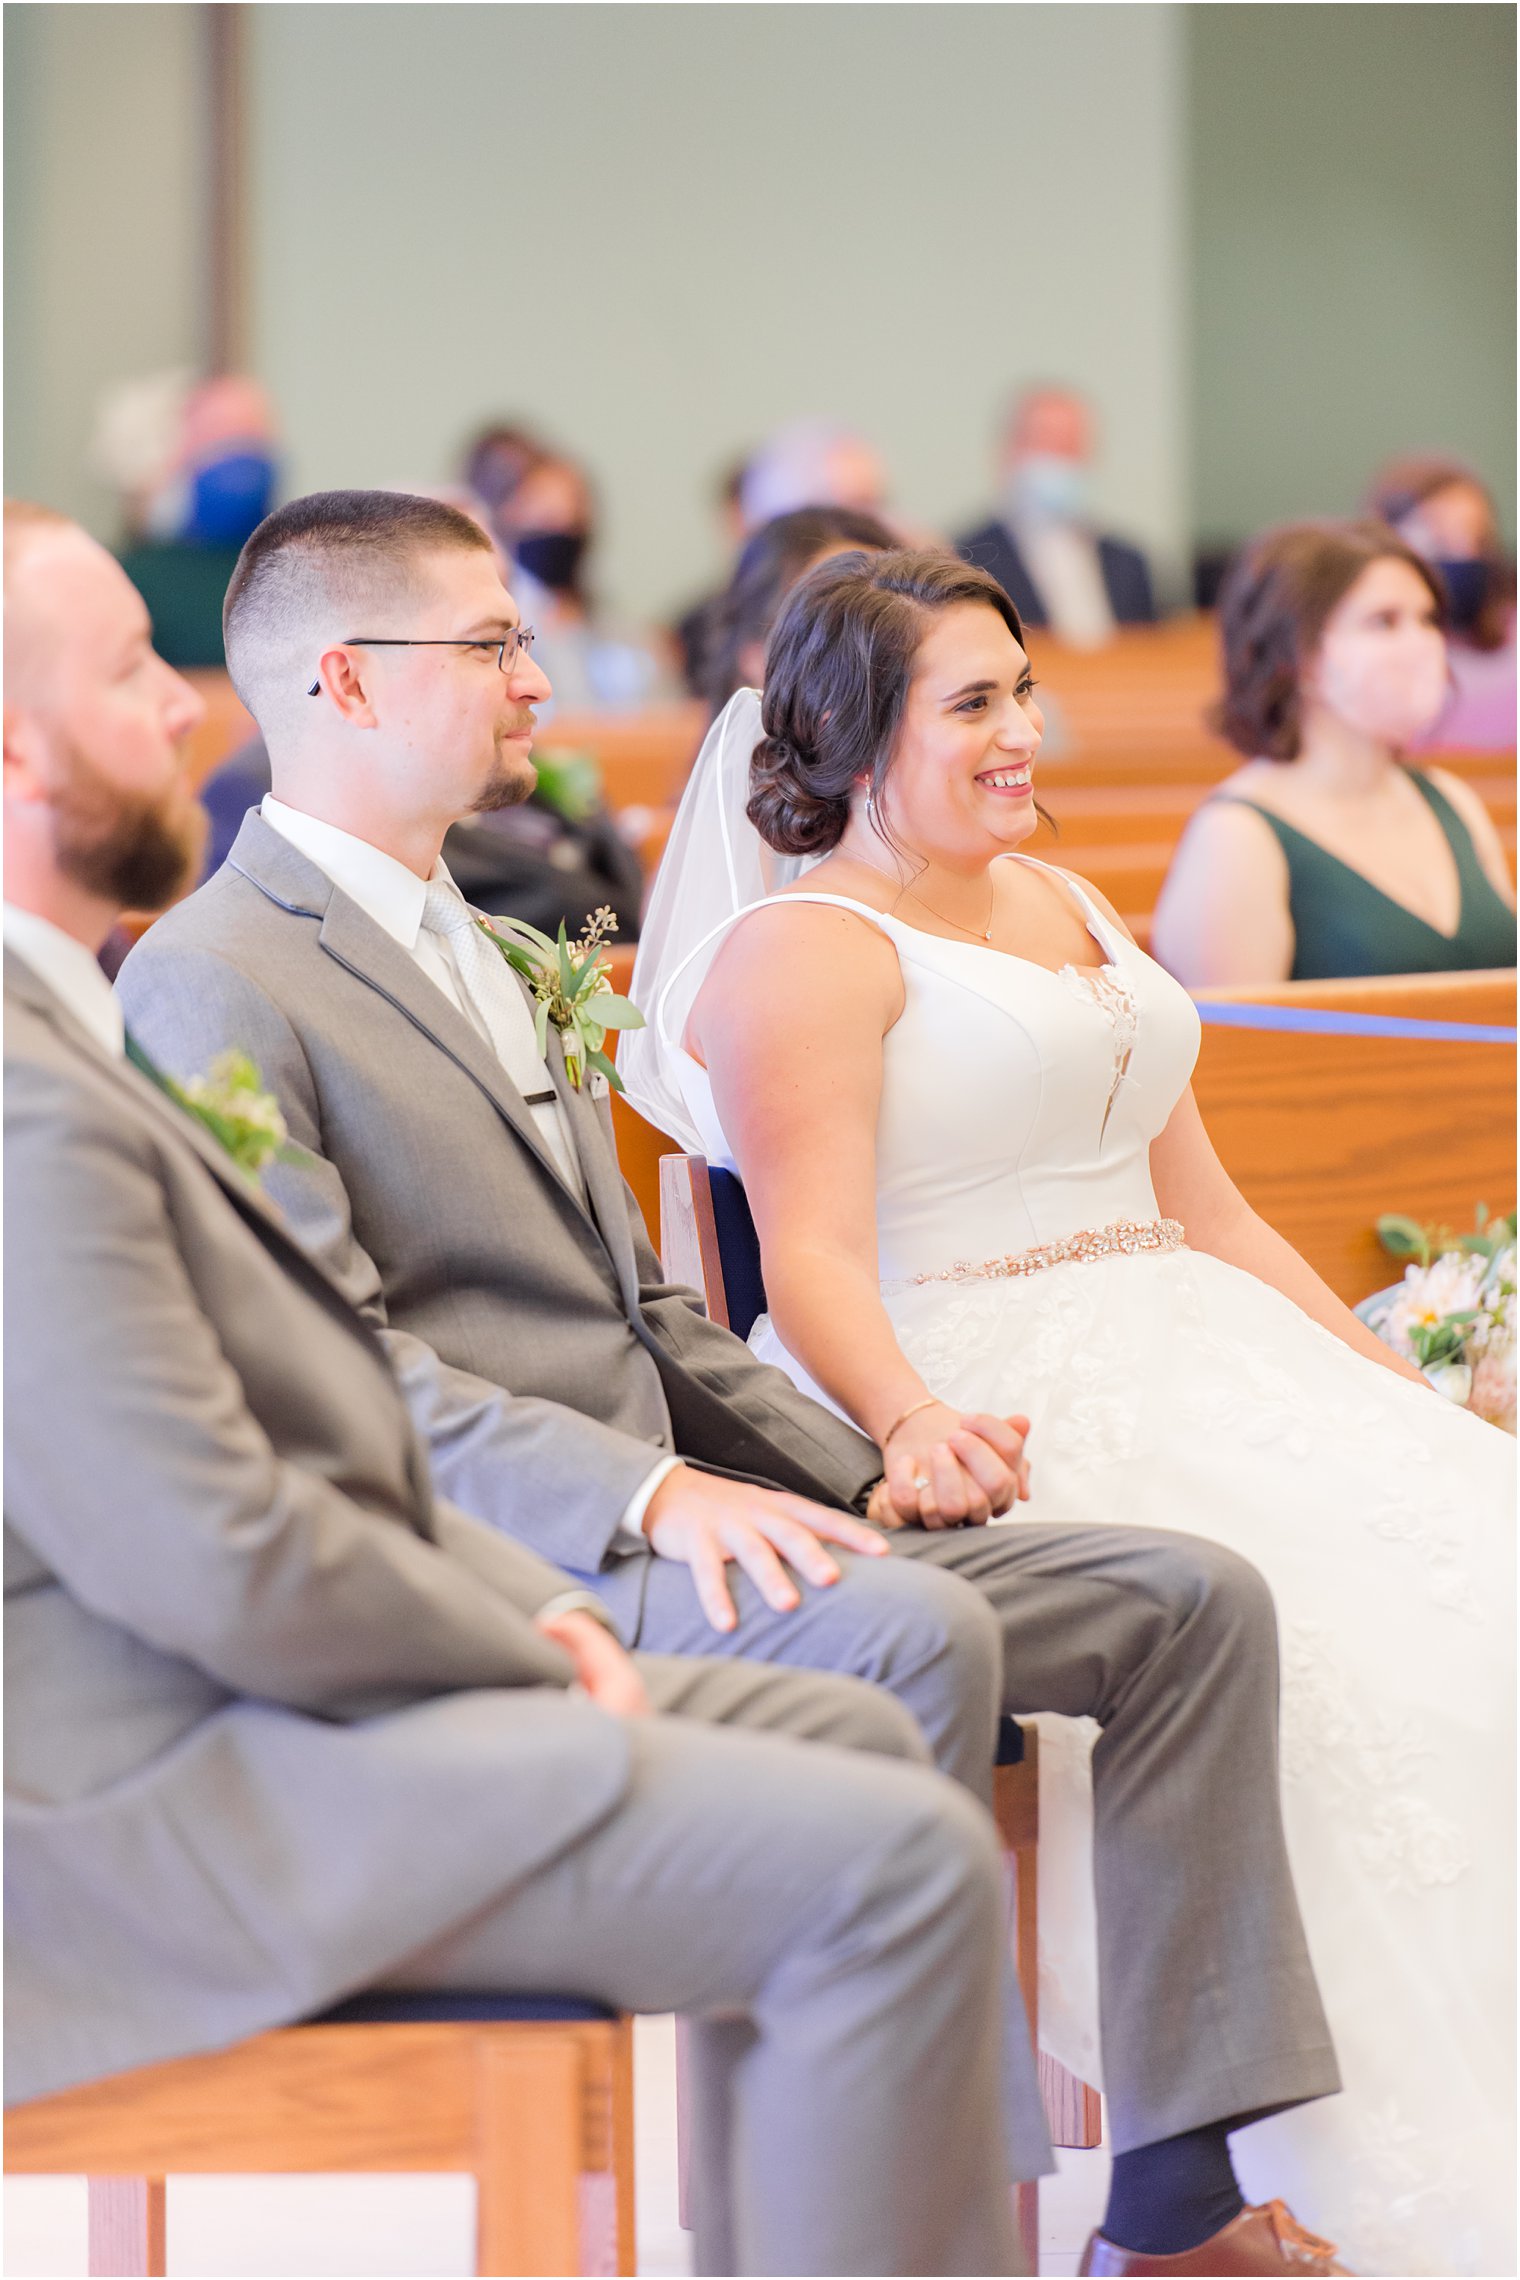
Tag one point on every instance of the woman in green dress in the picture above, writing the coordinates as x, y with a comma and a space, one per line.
1328, 853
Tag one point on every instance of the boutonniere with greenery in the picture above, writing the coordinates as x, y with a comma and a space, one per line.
572, 986
236, 1110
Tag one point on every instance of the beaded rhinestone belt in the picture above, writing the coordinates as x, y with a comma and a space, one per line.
1121, 1235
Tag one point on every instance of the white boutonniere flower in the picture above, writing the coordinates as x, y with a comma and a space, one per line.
573, 989
230, 1101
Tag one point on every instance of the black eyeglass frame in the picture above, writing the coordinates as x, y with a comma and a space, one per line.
520, 638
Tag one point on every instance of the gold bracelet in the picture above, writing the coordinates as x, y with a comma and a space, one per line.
930, 1401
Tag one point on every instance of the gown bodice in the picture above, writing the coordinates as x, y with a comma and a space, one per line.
1018, 1103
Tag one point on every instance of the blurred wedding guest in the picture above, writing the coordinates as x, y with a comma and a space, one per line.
1041, 544
1326, 854
496, 463
544, 520
812, 463
1441, 509
196, 464
771, 561
265, 1687
692, 631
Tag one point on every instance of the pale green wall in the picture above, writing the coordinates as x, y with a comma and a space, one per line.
1352, 193
1273, 243
661, 230
104, 223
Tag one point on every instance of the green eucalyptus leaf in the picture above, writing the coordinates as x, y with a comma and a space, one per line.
604, 1068
1402, 1238
541, 1026
618, 1013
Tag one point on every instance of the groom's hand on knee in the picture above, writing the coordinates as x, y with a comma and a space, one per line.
704, 1522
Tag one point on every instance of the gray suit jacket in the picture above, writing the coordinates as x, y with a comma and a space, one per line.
251, 1665
542, 1353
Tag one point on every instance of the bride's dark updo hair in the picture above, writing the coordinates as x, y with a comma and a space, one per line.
836, 680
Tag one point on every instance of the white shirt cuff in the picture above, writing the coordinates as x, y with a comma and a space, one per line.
630, 1536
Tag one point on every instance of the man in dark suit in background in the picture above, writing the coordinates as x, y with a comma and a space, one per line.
1040, 545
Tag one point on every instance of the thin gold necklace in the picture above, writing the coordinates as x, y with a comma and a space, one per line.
983, 934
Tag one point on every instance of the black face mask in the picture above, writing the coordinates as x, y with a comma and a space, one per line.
1467, 587
553, 557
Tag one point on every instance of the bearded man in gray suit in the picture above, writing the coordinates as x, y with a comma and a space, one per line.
282, 1724
465, 1193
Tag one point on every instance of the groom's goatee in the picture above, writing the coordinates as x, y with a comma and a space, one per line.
508, 785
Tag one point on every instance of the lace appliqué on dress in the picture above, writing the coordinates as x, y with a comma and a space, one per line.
1111, 994
1405, 1497
1373, 1763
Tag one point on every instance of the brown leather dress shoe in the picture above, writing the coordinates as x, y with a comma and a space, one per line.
1264, 2239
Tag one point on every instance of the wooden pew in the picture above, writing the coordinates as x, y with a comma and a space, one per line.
644, 758
223, 729
639, 1145
1161, 809
1325, 1133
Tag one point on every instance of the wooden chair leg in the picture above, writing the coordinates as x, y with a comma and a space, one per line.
1026, 2200
530, 2116
1072, 2106
622, 2147
683, 2125
127, 2229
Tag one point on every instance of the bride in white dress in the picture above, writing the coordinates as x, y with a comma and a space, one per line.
957, 1093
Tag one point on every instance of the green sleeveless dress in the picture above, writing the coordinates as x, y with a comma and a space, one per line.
1344, 925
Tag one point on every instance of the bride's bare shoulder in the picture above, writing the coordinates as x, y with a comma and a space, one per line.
777, 951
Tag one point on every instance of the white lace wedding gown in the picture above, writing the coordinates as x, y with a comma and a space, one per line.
1170, 1390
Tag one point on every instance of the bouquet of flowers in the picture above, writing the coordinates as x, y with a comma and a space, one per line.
1453, 1314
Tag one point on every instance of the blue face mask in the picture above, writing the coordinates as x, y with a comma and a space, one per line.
1467, 591
1052, 487
229, 498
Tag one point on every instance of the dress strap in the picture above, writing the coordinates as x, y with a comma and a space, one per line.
1098, 924
715, 934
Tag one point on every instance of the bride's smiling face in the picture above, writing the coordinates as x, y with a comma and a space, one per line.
960, 785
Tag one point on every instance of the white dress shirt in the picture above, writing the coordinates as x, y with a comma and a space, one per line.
386, 891
1067, 573
72, 972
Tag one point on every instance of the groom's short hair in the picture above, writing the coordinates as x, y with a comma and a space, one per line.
313, 570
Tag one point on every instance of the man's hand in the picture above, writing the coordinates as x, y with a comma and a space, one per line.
973, 1467
706, 1522
603, 1670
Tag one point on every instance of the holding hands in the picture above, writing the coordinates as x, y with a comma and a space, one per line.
945, 1468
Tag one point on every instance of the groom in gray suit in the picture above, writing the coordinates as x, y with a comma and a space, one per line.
281, 1723
465, 1194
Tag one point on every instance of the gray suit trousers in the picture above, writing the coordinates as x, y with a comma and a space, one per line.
1208, 2006
835, 1927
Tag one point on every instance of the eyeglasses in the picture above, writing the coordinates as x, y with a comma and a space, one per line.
508, 647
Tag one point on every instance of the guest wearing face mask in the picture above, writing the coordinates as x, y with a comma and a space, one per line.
196, 464
1326, 854
1440, 508
542, 514
1041, 545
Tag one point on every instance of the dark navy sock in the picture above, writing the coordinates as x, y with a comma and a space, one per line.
1172, 2196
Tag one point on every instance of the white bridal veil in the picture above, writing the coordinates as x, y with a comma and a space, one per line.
715, 865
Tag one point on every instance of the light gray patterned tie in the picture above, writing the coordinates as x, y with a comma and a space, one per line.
501, 1011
